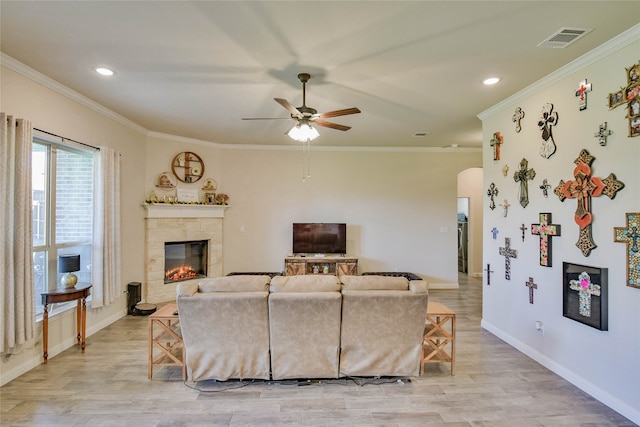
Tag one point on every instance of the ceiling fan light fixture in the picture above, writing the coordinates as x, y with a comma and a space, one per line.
303, 132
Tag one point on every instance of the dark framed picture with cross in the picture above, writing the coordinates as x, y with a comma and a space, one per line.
585, 295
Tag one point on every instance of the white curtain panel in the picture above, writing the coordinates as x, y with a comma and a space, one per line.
17, 303
106, 229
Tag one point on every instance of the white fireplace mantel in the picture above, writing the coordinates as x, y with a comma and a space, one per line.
165, 210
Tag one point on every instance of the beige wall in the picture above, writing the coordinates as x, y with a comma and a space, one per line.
51, 111
399, 206
605, 364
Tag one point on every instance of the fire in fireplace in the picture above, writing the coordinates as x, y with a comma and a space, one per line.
185, 260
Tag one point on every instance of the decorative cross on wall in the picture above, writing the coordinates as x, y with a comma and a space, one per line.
545, 230
523, 229
505, 169
586, 289
603, 133
496, 142
518, 115
549, 118
489, 271
505, 205
583, 188
581, 93
629, 95
545, 187
492, 192
495, 232
508, 253
531, 287
631, 236
523, 175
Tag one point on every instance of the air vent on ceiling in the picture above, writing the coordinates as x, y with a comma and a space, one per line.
564, 37
421, 134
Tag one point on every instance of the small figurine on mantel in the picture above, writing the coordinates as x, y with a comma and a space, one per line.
222, 199
210, 185
165, 182
153, 197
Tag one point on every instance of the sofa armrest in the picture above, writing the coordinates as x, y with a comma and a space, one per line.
186, 289
419, 286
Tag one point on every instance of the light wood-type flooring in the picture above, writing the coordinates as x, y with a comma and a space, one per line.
494, 385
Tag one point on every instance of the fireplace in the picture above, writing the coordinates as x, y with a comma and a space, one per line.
185, 260
179, 223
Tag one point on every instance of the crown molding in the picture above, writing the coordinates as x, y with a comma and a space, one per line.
297, 146
622, 40
36, 76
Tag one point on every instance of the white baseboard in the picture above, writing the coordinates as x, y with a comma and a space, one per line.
443, 285
606, 398
37, 359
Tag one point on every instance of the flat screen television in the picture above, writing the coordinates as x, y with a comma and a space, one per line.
317, 238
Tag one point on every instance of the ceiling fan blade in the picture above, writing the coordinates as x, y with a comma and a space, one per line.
266, 118
290, 108
337, 113
331, 125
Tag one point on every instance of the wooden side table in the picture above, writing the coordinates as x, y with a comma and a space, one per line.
168, 341
439, 341
80, 292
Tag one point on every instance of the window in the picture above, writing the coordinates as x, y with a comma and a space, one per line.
62, 206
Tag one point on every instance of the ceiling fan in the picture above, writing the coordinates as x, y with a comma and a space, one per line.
304, 115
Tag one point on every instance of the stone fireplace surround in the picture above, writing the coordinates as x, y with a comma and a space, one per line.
176, 223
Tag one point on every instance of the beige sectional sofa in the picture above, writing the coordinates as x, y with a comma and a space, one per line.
225, 327
302, 327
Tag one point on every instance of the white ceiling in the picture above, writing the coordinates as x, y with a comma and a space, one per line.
194, 69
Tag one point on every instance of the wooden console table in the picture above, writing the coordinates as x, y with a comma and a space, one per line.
168, 341
438, 336
80, 292
337, 266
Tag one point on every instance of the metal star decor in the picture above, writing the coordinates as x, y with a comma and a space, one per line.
549, 118
583, 188
631, 236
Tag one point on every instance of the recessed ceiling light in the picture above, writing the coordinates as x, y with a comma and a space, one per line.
104, 71
491, 81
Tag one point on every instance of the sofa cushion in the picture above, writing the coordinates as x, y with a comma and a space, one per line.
368, 283
305, 283
238, 283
